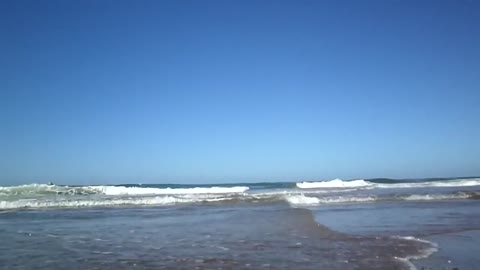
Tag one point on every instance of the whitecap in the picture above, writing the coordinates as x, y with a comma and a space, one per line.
337, 183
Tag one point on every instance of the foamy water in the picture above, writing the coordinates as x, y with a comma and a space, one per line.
296, 194
337, 183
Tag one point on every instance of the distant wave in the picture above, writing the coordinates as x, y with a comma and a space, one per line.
119, 190
42, 189
440, 183
338, 183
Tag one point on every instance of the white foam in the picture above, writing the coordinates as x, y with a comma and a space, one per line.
39, 189
347, 199
456, 183
42, 189
120, 190
446, 183
158, 200
302, 200
433, 197
425, 253
337, 183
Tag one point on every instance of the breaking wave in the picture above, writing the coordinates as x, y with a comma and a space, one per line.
120, 190
302, 200
443, 183
292, 198
42, 189
145, 201
307, 194
338, 183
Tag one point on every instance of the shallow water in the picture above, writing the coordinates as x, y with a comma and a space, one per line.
420, 219
456, 250
201, 237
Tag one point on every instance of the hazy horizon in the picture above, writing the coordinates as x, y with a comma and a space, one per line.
111, 92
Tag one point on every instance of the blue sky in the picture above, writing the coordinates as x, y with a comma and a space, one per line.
96, 92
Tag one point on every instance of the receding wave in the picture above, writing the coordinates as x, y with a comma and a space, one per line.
424, 253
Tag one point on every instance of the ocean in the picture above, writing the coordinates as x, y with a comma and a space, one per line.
337, 224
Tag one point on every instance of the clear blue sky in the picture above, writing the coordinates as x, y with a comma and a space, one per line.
210, 91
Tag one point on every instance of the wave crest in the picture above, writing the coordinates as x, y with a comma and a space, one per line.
337, 183
142, 201
120, 190
42, 189
302, 200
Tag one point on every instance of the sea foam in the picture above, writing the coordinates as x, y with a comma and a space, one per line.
443, 183
437, 197
42, 189
120, 190
132, 201
337, 183
425, 253
302, 200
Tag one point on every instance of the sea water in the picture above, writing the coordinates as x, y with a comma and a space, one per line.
358, 224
